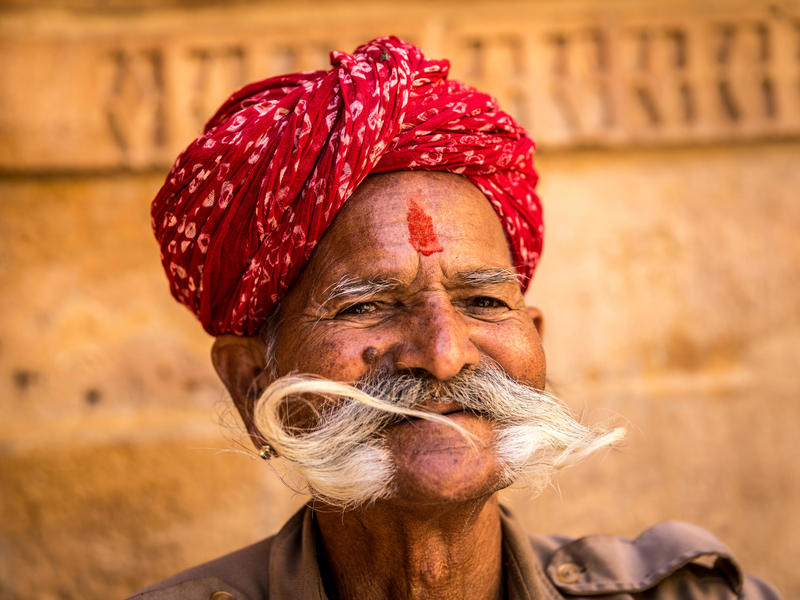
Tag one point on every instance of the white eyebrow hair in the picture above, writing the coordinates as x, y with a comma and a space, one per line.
356, 287
488, 276
364, 287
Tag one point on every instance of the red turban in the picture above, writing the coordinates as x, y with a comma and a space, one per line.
244, 205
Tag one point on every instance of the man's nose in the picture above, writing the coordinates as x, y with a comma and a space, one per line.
437, 340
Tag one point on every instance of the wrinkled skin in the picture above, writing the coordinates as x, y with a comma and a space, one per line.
438, 536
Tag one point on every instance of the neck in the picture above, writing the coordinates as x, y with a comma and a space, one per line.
389, 550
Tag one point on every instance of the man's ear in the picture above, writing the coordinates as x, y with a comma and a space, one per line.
240, 362
538, 319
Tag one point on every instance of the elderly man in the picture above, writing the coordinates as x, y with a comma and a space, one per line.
359, 240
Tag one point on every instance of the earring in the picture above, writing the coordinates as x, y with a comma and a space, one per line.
266, 452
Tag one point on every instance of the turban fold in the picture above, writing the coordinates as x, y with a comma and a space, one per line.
244, 205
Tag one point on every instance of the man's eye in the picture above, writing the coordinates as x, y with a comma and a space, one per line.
359, 308
487, 302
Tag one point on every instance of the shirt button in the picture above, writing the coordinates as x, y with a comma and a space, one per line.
222, 596
568, 572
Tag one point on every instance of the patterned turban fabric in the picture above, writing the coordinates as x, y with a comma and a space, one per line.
244, 205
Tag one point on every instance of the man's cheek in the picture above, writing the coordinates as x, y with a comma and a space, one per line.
332, 356
322, 357
518, 350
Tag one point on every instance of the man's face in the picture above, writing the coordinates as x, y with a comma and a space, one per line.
413, 276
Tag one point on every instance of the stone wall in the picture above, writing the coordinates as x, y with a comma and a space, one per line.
668, 151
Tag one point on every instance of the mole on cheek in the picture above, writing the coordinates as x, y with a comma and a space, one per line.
369, 355
420, 230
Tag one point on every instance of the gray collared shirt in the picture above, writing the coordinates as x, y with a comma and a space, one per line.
670, 561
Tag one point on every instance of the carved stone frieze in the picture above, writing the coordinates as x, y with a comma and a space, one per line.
109, 98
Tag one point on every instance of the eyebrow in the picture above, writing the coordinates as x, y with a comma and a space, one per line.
357, 287
364, 287
485, 277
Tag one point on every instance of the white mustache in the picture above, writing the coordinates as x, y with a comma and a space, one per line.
475, 390
343, 458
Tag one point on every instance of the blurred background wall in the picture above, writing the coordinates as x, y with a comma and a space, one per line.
669, 149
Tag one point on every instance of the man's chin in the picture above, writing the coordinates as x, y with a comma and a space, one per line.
435, 463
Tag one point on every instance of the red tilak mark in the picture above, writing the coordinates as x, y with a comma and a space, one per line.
420, 230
